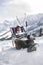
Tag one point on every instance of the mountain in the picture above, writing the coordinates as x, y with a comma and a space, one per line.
34, 23
36, 20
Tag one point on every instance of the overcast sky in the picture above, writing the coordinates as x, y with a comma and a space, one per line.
9, 9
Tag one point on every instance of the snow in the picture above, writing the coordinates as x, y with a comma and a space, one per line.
5, 35
10, 56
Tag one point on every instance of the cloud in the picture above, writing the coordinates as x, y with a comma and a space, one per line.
13, 8
18, 8
19, 4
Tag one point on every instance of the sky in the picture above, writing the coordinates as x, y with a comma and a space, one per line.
9, 9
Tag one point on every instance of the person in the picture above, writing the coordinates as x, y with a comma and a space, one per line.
18, 29
24, 43
30, 37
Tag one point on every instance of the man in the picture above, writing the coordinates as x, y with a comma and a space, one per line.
18, 29
28, 43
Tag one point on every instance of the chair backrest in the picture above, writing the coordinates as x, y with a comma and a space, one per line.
14, 29
22, 29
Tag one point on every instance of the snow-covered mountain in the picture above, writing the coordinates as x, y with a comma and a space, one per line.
34, 23
32, 20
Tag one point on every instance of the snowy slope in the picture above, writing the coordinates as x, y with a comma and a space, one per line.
5, 34
11, 56
34, 30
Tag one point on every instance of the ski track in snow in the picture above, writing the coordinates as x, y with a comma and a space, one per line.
11, 56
